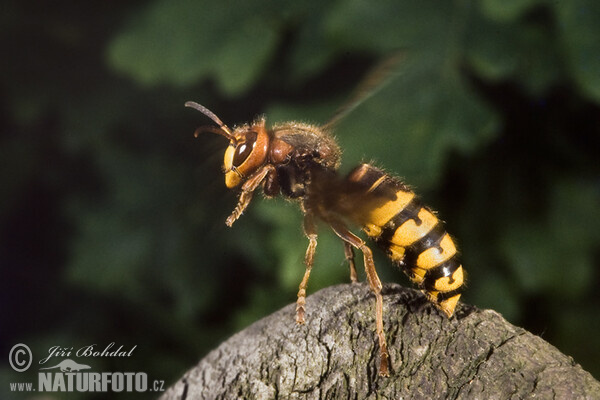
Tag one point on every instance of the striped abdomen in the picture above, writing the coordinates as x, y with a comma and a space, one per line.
411, 234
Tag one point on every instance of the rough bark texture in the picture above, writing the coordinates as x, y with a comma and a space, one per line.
476, 354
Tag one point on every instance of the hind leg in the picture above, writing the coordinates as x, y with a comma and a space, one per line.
310, 230
375, 284
349, 251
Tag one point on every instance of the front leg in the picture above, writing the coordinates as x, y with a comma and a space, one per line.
248, 189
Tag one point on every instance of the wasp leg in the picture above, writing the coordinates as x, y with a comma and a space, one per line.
248, 189
310, 230
375, 284
349, 251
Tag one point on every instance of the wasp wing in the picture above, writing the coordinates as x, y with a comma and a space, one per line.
377, 78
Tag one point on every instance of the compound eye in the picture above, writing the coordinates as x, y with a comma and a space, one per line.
244, 149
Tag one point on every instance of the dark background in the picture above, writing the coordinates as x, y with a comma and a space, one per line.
112, 214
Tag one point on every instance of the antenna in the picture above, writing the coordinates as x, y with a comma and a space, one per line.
224, 129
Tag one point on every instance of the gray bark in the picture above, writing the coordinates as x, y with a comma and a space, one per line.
476, 354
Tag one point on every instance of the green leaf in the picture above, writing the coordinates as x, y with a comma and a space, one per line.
507, 10
522, 50
579, 30
390, 25
181, 42
490, 48
307, 58
356, 26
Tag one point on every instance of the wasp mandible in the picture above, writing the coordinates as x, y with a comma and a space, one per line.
300, 161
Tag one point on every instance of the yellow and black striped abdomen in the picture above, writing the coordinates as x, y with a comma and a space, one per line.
412, 235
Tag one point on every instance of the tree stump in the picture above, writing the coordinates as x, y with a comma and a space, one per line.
476, 354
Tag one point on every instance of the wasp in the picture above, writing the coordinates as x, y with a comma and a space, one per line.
300, 162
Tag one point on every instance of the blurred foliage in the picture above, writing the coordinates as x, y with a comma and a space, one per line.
112, 218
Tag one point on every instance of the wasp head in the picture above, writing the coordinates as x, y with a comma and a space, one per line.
247, 150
